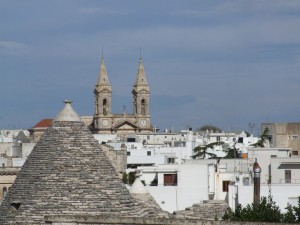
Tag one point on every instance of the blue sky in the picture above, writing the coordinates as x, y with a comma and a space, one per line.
225, 63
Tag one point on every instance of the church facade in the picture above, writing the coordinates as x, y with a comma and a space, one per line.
105, 122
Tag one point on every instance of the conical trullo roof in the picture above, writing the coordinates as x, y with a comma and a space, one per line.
140, 193
67, 173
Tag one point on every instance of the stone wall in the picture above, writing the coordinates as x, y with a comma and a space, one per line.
7, 178
114, 220
117, 157
209, 210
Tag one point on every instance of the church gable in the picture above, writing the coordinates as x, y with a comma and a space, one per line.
125, 125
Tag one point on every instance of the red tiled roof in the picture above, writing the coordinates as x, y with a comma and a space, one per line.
43, 123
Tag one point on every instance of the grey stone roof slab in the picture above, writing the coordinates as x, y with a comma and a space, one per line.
67, 173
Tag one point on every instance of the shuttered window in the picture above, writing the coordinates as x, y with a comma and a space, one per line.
170, 179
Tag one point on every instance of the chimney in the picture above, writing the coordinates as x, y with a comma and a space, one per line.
256, 194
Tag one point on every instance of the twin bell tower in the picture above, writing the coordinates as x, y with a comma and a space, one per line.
105, 122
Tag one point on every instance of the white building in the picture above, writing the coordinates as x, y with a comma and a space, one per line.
175, 187
280, 177
264, 157
178, 186
7, 136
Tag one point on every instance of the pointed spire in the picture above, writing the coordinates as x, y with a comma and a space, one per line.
103, 77
141, 79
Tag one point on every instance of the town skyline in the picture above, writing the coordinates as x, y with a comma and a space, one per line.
226, 63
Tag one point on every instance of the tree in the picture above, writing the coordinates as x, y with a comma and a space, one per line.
293, 213
289, 216
232, 153
131, 177
202, 151
125, 178
209, 128
263, 139
265, 211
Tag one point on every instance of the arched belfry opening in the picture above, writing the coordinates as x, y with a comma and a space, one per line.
4, 191
104, 106
96, 106
143, 107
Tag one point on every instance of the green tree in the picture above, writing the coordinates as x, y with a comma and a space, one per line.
232, 153
293, 213
263, 139
297, 211
265, 211
202, 152
131, 177
209, 128
125, 178
289, 216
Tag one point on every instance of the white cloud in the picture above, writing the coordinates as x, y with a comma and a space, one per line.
232, 37
12, 48
98, 10
242, 7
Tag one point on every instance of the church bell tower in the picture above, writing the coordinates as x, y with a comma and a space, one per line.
102, 93
141, 98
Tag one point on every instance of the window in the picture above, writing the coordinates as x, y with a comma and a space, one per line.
128, 153
143, 107
287, 176
148, 153
240, 140
270, 138
148, 137
225, 184
4, 191
293, 137
170, 179
218, 138
294, 152
171, 160
104, 107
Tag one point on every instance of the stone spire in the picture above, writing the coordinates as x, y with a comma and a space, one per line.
67, 173
141, 79
103, 77
141, 96
102, 93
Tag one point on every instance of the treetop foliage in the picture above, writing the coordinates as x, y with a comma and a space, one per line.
203, 151
263, 139
207, 127
266, 211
